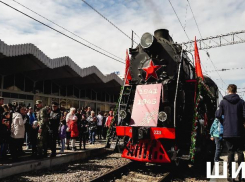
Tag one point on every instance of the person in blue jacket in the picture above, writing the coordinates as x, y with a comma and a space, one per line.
216, 132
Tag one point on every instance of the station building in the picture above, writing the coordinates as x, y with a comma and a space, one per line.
27, 74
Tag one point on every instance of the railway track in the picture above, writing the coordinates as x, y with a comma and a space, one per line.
136, 172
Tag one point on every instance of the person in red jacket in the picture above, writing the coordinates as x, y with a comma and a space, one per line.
74, 132
109, 119
108, 122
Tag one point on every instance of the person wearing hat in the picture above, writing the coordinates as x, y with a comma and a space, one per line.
42, 118
54, 121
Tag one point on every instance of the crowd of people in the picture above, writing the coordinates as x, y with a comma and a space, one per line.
43, 127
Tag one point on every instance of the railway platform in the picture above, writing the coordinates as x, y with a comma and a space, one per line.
225, 159
26, 163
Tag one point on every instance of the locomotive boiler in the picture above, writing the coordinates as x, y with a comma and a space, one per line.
163, 111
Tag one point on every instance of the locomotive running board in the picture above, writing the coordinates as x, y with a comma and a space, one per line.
146, 151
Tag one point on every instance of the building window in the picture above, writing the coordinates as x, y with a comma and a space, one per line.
22, 96
75, 104
6, 94
76, 92
103, 96
99, 96
107, 97
19, 82
92, 105
29, 97
69, 91
68, 104
8, 82
116, 97
93, 94
107, 107
55, 89
47, 87
82, 94
100, 107
111, 97
63, 91
39, 87
29, 85
88, 94
82, 104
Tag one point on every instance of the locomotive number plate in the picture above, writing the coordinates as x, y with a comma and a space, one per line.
156, 132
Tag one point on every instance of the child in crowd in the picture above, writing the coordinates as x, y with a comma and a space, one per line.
216, 132
33, 138
62, 132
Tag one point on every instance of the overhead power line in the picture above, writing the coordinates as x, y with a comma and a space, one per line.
183, 28
62, 33
227, 69
194, 19
66, 29
201, 37
107, 20
179, 20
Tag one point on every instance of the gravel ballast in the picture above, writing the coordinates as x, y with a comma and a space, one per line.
77, 171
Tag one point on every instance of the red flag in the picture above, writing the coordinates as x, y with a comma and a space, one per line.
127, 76
197, 62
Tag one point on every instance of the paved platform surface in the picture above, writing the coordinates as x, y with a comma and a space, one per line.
26, 163
225, 158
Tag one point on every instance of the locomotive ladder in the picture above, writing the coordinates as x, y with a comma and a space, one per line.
123, 105
125, 98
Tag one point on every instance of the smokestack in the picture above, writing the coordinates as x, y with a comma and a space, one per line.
163, 33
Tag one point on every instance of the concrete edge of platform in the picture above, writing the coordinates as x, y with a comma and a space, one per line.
32, 165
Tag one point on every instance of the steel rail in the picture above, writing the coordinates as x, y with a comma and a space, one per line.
124, 171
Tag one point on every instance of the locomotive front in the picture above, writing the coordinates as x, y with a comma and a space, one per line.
151, 107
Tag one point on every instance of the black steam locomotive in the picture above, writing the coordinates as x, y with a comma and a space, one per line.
165, 111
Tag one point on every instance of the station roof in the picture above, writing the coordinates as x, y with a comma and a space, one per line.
30, 60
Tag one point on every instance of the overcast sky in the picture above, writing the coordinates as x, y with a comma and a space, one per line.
214, 17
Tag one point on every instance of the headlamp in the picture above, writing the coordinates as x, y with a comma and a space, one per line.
146, 40
162, 116
122, 114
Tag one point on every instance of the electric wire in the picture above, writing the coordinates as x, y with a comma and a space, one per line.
107, 20
201, 38
65, 29
136, 34
227, 69
183, 27
179, 20
186, 15
61, 32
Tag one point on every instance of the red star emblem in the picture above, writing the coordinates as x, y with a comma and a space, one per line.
151, 70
